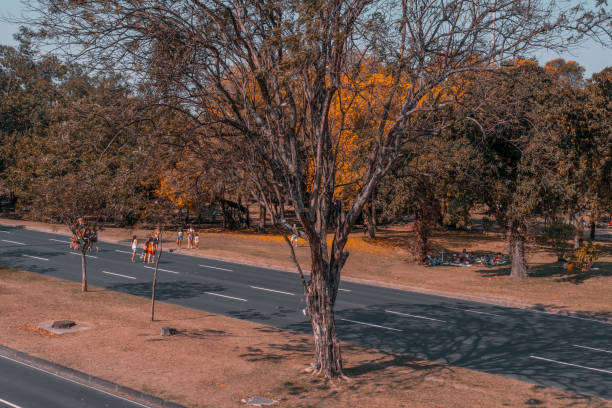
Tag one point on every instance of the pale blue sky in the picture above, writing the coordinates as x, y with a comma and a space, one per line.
590, 55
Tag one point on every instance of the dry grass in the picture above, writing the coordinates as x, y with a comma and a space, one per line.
216, 361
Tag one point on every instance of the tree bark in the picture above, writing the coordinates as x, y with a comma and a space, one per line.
517, 251
421, 228
320, 300
262, 217
83, 269
592, 234
155, 277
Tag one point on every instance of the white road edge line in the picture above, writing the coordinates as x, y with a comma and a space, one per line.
118, 274
472, 311
35, 257
59, 240
78, 254
75, 382
160, 269
5, 402
225, 296
123, 252
12, 242
6, 232
373, 325
591, 348
272, 290
215, 267
572, 365
345, 290
416, 316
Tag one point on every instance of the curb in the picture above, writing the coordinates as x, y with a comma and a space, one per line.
391, 285
88, 380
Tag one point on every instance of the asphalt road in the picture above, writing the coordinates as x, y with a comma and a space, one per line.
564, 352
25, 386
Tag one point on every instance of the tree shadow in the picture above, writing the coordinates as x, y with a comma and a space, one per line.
166, 290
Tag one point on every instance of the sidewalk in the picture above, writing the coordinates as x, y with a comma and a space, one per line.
384, 262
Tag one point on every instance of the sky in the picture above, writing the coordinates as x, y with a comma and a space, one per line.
591, 55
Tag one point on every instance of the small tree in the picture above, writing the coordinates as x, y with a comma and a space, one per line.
585, 255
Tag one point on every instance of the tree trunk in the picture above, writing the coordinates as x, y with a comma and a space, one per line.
320, 301
421, 228
579, 234
517, 251
262, 217
155, 276
369, 214
83, 269
592, 234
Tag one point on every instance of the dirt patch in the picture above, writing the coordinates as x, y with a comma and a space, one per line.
215, 361
386, 261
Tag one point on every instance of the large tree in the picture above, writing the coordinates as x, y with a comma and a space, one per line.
265, 74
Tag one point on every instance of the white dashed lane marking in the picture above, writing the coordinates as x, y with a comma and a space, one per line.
372, 325
216, 267
123, 252
78, 254
571, 365
415, 316
163, 270
12, 242
59, 240
225, 296
272, 290
344, 290
118, 274
472, 311
592, 348
10, 404
36, 257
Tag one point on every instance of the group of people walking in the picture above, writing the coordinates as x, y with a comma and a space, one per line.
150, 246
193, 239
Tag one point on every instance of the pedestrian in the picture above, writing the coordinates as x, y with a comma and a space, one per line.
94, 240
134, 247
196, 240
179, 239
190, 238
145, 251
151, 250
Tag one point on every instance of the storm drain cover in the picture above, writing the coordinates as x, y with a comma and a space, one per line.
258, 401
